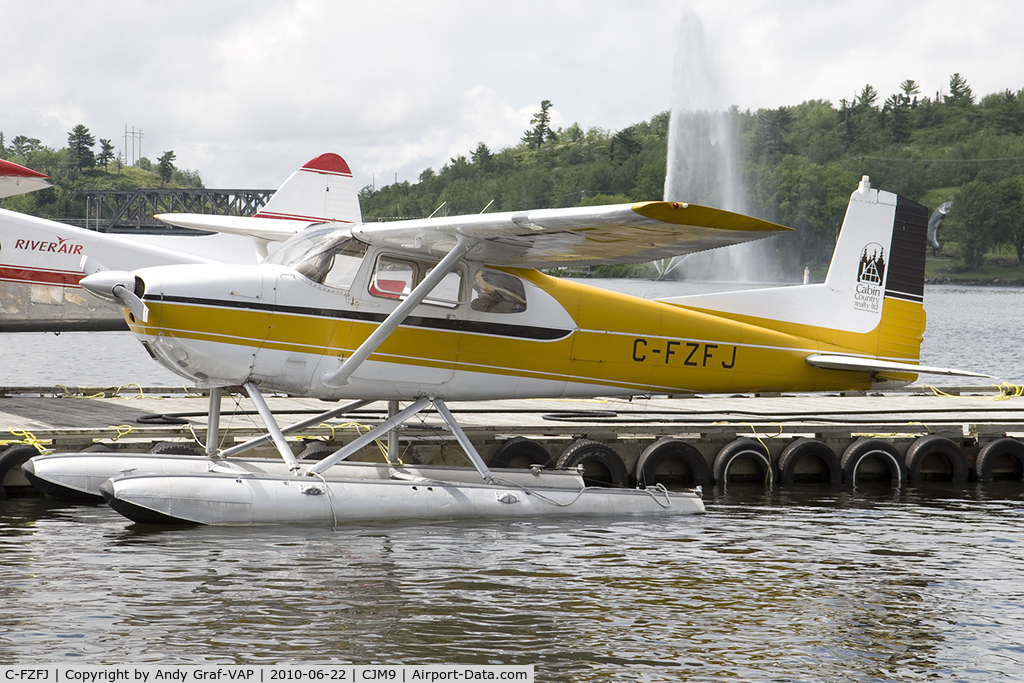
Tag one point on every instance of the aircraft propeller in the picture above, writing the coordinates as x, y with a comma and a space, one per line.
119, 286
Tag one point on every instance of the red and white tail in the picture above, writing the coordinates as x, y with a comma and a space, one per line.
322, 190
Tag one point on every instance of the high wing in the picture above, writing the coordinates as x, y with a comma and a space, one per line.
620, 233
15, 179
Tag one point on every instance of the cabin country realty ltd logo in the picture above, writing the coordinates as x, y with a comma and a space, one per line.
870, 278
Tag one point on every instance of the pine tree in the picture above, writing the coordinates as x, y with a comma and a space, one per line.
106, 154
541, 131
80, 144
959, 91
165, 167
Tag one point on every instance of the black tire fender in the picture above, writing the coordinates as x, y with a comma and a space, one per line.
992, 451
743, 448
602, 466
12, 459
521, 452
667, 450
933, 444
172, 448
809, 448
315, 450
866, 447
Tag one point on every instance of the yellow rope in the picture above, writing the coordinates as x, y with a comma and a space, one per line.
357, 425
1006, 392
27, 438
80, 393
122, 430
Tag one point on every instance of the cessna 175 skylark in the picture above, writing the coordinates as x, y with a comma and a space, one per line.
453, 308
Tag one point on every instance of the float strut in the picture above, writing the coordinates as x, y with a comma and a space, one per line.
463, 440
213, 423
375, 433
393, 446
297, 427
275, 432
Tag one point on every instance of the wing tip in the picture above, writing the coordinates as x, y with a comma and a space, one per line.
684, 213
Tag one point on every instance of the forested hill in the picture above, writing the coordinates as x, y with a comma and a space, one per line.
83, 165
798, 164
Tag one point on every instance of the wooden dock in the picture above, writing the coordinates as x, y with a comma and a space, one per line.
135, 419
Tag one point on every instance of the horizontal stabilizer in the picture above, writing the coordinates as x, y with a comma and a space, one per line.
620, 233
862, 364
15, 179
249, 226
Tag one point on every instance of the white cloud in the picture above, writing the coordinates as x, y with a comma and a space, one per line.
247, 90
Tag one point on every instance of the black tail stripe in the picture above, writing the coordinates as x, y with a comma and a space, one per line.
907, 253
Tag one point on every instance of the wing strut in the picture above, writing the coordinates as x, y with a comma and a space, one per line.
336, 379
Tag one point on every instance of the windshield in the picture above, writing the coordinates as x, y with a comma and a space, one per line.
317, 252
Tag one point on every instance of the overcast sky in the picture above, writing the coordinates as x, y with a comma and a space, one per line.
245, 91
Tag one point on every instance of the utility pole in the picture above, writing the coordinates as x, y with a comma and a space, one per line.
133, 135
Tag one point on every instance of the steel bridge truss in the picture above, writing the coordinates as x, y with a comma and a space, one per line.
128, 209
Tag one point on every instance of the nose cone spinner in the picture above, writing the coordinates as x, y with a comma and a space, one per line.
121, 287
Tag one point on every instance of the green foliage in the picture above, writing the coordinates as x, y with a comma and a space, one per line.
73, 176
986, 215
975, 208
798, 165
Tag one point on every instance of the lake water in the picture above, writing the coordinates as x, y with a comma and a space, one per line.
795, 587
804, 585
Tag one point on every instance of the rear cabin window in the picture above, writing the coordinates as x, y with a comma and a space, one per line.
497, 292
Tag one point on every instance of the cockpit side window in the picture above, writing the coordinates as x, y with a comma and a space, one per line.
326, 255
497, 292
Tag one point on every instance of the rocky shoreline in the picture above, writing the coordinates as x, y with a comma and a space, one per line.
971, 282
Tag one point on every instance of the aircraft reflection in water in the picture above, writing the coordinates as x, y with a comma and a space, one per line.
453, 308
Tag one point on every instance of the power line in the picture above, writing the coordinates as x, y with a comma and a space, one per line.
936, 161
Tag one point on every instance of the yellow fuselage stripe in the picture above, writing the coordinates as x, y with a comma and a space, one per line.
621, 342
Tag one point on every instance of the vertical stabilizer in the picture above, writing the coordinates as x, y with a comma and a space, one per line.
880, 254
871, 302
322, 190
